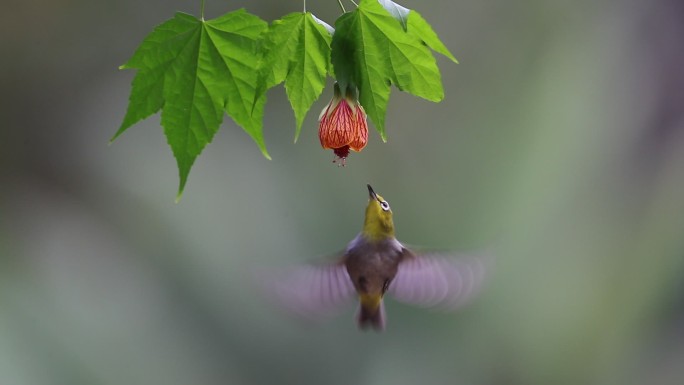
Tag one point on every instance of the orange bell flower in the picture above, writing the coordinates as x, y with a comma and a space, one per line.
342, 125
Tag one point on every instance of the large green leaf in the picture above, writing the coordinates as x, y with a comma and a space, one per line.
371, 51
414, 24
194, 71
420, 28
296, 51
397, 11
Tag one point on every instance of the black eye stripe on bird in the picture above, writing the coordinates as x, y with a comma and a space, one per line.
375, 263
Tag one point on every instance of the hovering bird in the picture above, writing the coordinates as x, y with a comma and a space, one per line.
373, 264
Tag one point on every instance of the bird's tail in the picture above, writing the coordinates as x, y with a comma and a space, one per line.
371, 312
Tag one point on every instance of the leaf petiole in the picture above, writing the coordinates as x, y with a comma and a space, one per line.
341, 6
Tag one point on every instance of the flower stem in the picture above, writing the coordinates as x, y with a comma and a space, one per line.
341, 6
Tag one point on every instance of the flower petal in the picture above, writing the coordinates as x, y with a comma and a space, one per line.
361, 132
343, 124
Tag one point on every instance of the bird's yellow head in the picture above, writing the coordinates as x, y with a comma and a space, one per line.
378, 224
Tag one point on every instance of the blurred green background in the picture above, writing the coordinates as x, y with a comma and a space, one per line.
559, 147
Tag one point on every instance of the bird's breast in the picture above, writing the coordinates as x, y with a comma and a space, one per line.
372, 265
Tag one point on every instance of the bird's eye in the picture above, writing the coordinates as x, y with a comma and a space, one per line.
384, 205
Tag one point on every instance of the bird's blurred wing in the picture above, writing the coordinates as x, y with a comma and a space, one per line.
311, 291
434, 280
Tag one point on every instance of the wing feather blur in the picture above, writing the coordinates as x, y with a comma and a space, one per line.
432, 280
311, 291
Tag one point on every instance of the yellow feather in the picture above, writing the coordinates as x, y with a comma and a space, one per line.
370, 301
378, 224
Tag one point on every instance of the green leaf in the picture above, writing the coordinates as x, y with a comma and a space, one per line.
234, 36
420, 28
397, 11
370, 50
327, 26
296, 51
194, 71
414, 24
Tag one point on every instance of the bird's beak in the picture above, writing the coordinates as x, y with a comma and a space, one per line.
372, 193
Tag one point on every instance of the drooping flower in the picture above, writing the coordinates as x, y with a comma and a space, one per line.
342, 125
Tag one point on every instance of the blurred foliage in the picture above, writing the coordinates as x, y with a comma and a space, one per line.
559, 146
